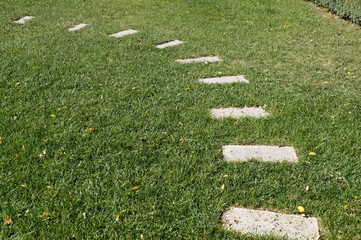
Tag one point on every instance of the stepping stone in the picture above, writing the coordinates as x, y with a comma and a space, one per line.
169, 44
256, 112
77, 27
259, 222
200, 59
123, 33
243, 153
24, 19
230, 79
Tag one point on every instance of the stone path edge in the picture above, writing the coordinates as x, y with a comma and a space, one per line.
77, 27
223, 79
123, 33
23, 19
170, 43
238, 112
262, 153
224, 210
205, 59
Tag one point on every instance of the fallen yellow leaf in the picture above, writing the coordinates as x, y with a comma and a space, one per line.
44, 215
312, 154
117, 217
222, 188
8, 220
135, 188
300, 209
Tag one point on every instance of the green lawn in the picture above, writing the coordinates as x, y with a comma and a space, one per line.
153, 130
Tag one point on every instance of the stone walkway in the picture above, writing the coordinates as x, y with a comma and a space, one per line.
242, 219
243, 153
169, 44
255, 112
77, 27
200, 59
123, 33
259, 222
24, 19
220, 80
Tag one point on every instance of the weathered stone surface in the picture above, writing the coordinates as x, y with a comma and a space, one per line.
77, 27
123, 33
169, 44
259, 222
200, 59
229, 79
244, 153
24, 19
256, 112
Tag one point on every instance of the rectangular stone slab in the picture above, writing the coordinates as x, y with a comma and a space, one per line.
229, 79
169, 44
200, 59
24, 19
123, 33
244, 153
77, 27
259, 222
256, 112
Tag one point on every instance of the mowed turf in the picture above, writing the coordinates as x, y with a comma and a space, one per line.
111, 138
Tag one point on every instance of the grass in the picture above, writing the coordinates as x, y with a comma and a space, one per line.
152, 124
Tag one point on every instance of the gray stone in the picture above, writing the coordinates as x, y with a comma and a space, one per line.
229, 79
200, 59
256, 112
169, 44
244, 153
24, 19
123, 33
77, 27
259, 222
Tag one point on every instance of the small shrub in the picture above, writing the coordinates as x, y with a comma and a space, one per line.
347, 9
